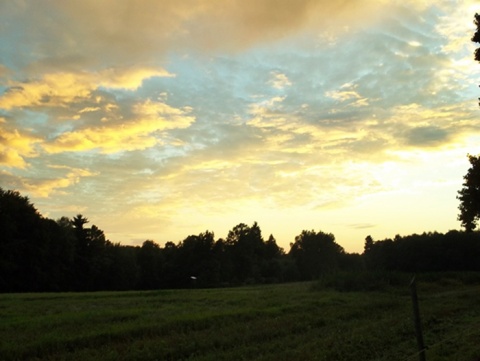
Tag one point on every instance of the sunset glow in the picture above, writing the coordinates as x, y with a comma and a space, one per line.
161, 119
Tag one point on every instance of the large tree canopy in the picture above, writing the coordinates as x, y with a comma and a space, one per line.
315, 253
469, 195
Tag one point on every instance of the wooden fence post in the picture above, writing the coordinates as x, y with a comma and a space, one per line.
416, 318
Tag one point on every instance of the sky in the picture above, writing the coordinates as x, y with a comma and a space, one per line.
162, 119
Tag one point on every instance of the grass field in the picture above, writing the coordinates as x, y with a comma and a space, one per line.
300, 321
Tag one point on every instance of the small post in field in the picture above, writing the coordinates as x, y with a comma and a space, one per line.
416, 318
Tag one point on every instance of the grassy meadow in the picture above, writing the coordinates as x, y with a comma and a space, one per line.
298, 321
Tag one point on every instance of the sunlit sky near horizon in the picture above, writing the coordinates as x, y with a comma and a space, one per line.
162, 119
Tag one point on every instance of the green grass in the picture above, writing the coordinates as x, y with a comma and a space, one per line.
300, 321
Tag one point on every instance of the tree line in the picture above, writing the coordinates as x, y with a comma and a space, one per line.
41, 254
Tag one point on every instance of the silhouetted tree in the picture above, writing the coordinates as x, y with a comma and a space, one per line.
23, 244
169, 277
223, 256
315, 253
150, 265
100, 259
39, 254
469, 196
368, 252
476, 36
427, 252
58, 256
123, 272
272, 266
246, 247
196, 259
92, 257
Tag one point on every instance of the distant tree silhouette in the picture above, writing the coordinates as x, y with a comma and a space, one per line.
272, 261
469, 195
123, 272
38, 254
170, 277
93, 256
427, 252
315, 253
150, 265
246, 247
196, 259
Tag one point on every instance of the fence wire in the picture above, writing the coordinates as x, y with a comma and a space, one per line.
470, 331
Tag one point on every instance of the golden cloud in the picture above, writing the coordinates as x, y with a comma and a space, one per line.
140, 133
348, 92
44, 188
57, 89
15, 147
279, 80
129, 78
62, 88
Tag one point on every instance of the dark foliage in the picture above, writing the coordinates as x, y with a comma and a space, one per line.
39, 254
428, 252
469, 195
315, 254
476, 38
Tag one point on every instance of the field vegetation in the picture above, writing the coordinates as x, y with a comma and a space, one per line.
347, 317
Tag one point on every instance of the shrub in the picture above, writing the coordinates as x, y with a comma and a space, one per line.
361, 281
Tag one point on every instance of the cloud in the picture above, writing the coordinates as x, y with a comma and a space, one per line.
238, 25
151, 118
454, 26
54, 181
416, 125
15, 146
173, 109
46, 187
130, 79
4, 71
60, 89
57, 89
86, 33
279, 80
427, 136
348, 93
361, 225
